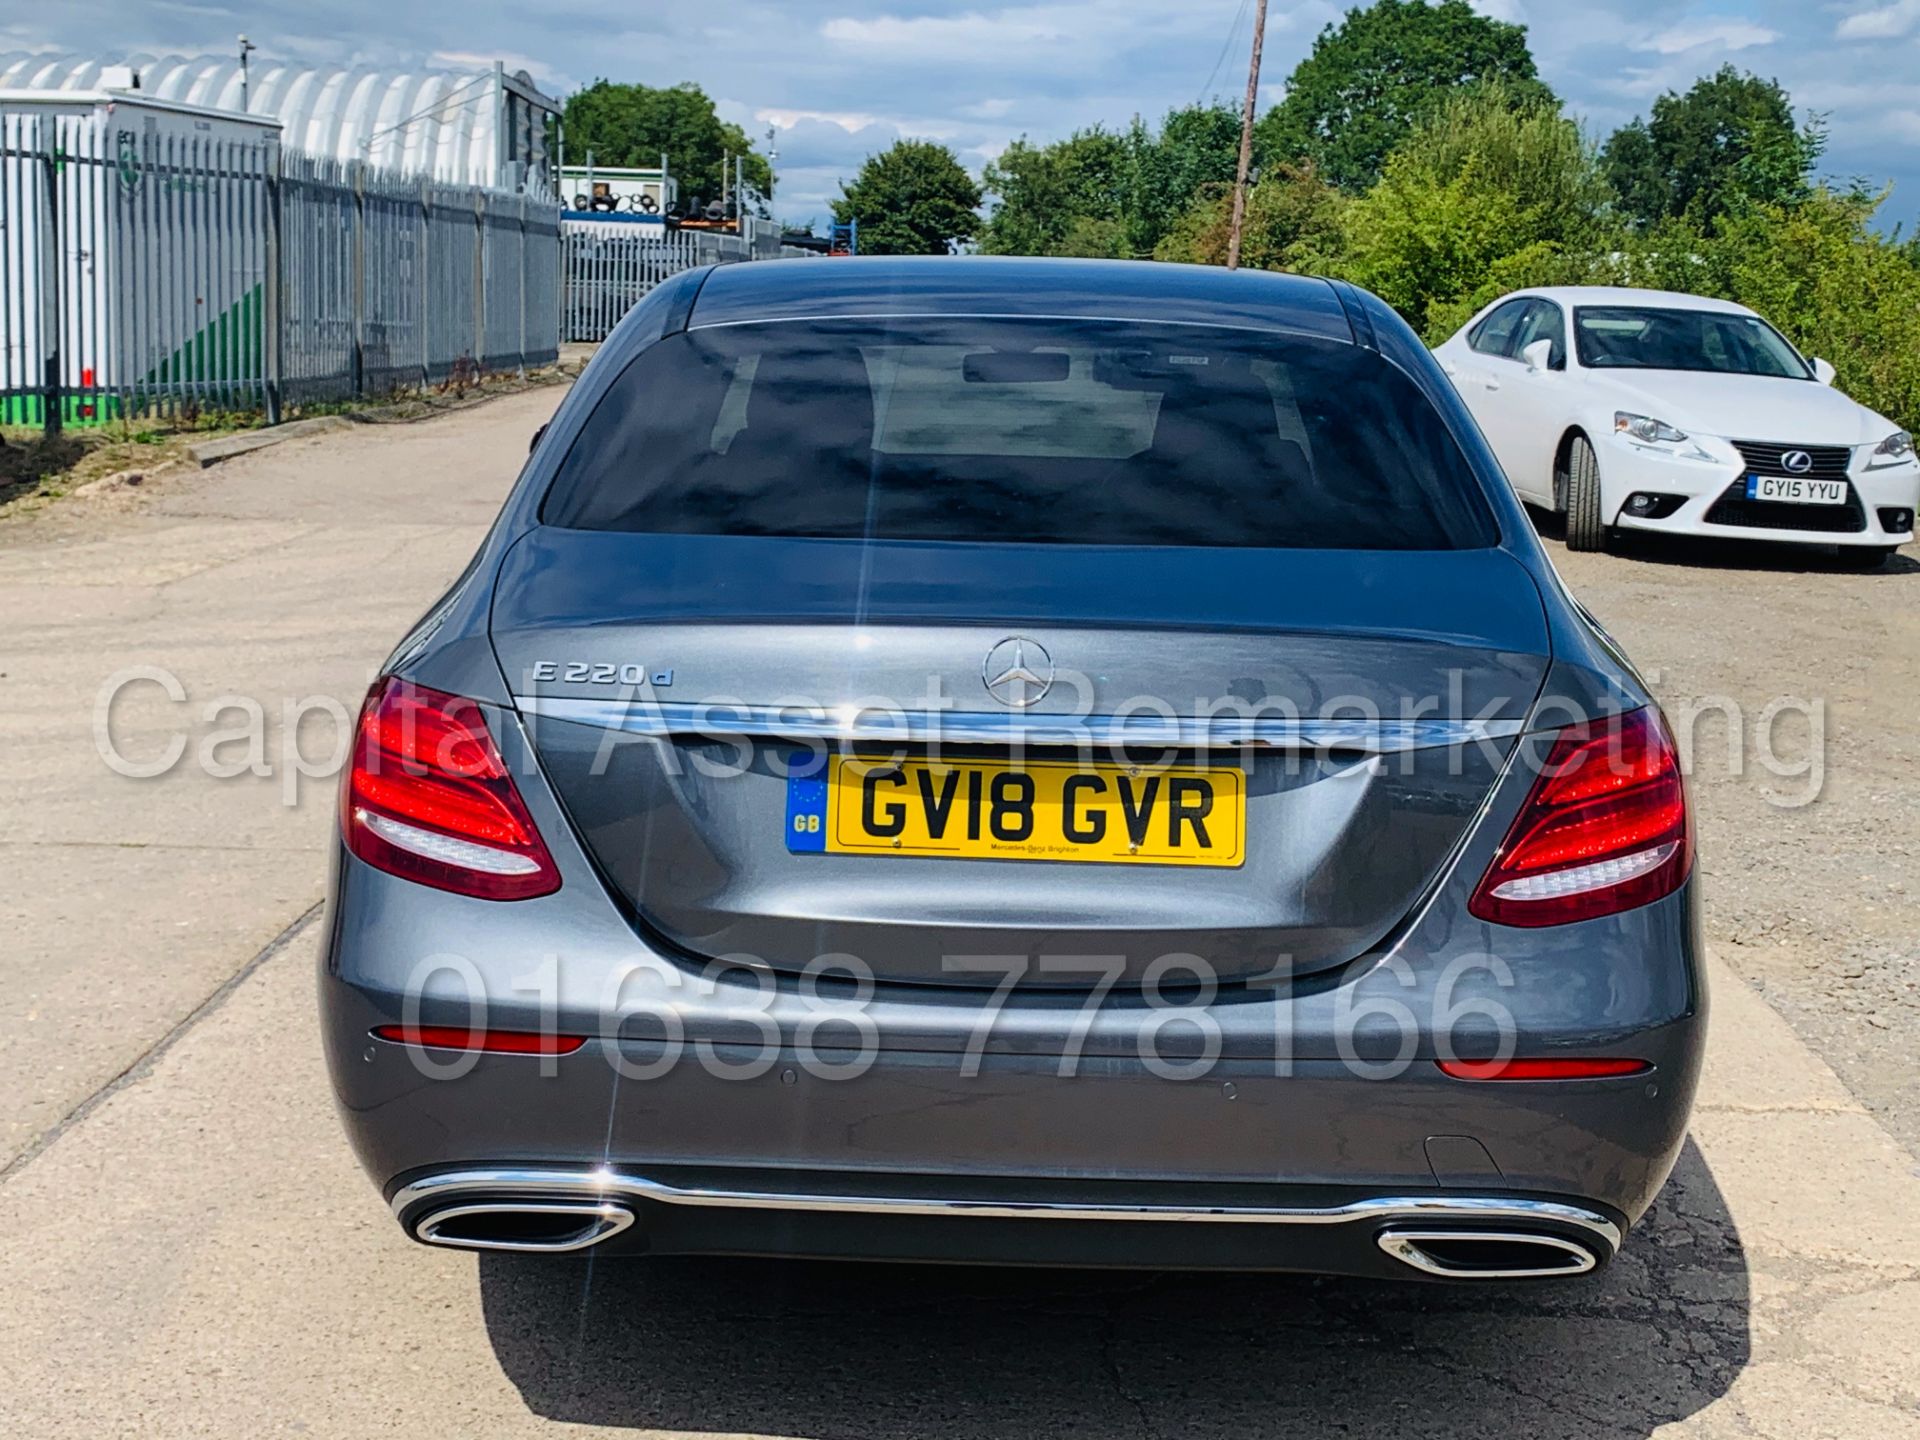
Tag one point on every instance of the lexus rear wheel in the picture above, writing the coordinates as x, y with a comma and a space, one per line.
1586, 527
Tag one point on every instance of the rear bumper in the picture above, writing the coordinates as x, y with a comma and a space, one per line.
1314, 1102
1115, 1166
1017, 1126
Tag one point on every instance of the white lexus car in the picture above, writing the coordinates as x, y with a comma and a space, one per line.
1646, 410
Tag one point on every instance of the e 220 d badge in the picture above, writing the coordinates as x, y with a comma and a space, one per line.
597, 672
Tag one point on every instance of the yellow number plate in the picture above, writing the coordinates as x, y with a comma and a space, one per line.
1041, 810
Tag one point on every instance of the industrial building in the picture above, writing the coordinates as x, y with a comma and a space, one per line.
465, 127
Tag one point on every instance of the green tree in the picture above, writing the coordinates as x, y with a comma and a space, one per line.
1485, 196
1093, 238
1049, 193
1293, 222
1368, 79
1098, 193
1195, 146
635, 124
1819, 270
913, 198
1727, 144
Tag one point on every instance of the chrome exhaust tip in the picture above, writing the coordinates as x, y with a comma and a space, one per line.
541, 1226
1487, 1254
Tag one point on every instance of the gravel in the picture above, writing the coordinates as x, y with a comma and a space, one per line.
1812, 881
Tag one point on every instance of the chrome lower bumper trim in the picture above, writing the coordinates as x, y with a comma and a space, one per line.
599, 1185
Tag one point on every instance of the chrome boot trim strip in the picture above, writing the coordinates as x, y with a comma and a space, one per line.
966, 727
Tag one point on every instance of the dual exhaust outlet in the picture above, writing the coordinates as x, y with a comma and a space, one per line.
1452, 1250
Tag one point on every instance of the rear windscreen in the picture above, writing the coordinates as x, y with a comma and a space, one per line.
1051, 431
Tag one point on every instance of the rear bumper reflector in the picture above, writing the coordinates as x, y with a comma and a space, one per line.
498, 1042
1569, 1069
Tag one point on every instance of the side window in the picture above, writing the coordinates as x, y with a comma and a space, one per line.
1544, 322
1494, 335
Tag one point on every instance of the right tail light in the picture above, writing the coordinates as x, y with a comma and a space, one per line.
1606, 828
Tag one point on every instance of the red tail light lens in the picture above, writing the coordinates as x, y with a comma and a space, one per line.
497, 1042
1606, 829
429, 798
1541, 1069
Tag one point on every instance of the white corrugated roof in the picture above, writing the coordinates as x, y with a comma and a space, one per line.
444, 123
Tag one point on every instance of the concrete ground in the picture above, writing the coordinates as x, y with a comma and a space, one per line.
186, 1248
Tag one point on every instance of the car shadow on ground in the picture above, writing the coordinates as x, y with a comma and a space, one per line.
1698, 553
787, 1348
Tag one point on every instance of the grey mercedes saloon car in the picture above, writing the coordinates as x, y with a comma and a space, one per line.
1017, 761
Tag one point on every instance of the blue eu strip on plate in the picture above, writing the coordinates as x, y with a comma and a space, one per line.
806, 802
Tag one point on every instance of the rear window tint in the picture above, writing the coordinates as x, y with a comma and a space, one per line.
1065, 432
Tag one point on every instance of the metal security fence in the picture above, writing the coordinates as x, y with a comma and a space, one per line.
608, 269
158, 264
391, 280
609, 266
317, 308
131, 270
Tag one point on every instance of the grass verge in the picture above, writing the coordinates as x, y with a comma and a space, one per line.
36, 471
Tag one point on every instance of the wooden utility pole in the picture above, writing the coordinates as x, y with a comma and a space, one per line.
1246, 139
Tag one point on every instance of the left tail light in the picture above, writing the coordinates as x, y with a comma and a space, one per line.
1606, 828
428, 798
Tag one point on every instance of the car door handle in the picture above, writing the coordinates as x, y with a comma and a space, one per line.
1451, 368
1493, 384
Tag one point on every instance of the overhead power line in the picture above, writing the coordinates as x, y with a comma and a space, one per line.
1226, 49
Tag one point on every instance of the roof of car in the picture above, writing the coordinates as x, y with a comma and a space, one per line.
1019, 286
1628, 295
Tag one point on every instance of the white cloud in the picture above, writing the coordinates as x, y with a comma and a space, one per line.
989, 109
1639, 83
1511, 11
1903, 123
1882, 22
953, 38
855, 122
543, 73
181, 7
1722, 35
1057, 38
848, 120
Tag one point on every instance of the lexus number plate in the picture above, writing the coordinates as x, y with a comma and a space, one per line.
1796, 490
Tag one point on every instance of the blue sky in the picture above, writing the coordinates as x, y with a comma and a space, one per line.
838, 79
